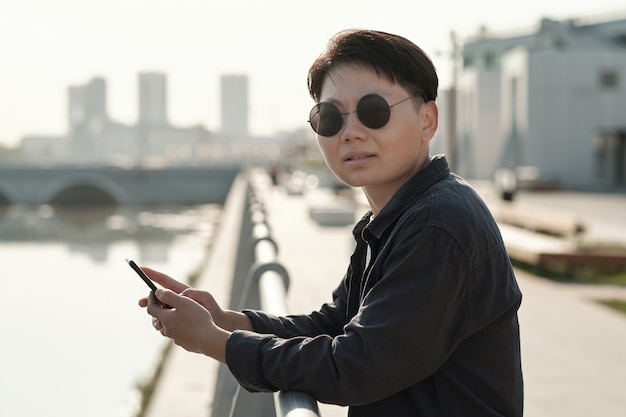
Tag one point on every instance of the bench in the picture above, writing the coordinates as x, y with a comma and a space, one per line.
540, 220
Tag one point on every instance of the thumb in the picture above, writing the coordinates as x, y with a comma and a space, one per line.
168, 298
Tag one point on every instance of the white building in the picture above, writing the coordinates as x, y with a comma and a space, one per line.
554, 100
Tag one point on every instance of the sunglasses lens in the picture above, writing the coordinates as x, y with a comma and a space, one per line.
373, 111
325, 119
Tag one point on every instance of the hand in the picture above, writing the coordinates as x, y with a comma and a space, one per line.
188, 323
164, 280
226, 319
203, 297
206, 300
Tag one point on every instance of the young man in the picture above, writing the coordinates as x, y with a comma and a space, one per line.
424, 323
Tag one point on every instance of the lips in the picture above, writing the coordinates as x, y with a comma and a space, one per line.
357, 156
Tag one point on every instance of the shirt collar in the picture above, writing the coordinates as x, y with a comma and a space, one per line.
411, 190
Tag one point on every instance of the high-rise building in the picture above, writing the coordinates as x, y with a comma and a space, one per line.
152, 99
87, 104
234, 107
97, 138
87, 115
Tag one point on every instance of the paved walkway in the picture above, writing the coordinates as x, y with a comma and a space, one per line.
574, 349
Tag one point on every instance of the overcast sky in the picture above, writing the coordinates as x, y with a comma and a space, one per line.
48, 45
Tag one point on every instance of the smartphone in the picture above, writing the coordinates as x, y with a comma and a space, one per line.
145, 278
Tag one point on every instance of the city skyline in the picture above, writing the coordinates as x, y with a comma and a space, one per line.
48, 47
96, 137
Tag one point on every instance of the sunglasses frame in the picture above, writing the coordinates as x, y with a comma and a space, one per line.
316, 110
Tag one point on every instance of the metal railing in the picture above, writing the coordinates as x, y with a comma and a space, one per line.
266, 285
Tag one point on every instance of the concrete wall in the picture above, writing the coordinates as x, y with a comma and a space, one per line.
479, 124
569, 107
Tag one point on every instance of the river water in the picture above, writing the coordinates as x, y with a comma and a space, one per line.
73, 341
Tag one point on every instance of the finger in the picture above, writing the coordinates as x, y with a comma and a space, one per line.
165, 280
200, 296
206, 300
154, 306
168, 298
156, 323
143, 302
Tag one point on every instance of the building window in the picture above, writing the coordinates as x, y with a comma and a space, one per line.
608, 79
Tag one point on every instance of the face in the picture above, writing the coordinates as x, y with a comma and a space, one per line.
378, 160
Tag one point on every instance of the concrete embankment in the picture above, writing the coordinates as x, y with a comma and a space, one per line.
187, 382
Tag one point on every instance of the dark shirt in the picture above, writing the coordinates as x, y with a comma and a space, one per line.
428, 328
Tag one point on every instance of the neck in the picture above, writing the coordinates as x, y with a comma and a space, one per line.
375, 200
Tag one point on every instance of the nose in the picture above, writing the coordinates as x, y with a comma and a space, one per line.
352, 128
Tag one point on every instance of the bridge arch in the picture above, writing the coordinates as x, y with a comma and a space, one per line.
91, 184
8, 194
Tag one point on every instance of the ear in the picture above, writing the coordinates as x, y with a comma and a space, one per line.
430, 120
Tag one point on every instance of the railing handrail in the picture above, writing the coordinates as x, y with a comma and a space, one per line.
273, 281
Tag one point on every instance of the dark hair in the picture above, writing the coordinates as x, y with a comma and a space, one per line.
393, 56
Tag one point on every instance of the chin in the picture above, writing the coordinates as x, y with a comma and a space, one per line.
352, 179
352, 182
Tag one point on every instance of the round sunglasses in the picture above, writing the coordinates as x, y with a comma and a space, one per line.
372, 110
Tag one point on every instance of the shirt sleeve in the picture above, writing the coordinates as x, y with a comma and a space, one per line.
329, 320
413, 313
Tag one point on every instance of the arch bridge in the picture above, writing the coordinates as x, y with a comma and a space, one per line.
76, 185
